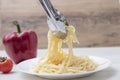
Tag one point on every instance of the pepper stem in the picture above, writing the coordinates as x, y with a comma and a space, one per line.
17, 25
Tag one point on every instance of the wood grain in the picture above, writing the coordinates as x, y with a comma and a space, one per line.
97, 22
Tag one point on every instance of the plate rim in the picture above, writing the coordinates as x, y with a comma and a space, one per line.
64, 74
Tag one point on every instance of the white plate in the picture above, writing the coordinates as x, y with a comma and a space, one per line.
26, 67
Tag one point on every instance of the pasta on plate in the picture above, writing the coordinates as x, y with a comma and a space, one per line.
59, 62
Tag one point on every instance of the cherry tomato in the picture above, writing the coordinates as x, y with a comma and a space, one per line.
6, 64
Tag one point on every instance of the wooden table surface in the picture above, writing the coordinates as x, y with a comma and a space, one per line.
97, 22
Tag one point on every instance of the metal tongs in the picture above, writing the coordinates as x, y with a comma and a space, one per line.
56, 21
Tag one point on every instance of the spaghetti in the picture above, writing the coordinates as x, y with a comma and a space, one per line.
57, 61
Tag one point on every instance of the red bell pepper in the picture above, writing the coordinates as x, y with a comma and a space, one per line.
19, 45
6, 64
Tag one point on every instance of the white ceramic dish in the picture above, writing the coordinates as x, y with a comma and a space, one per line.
26, 67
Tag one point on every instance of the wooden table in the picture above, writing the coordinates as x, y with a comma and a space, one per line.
97, 22
111, 73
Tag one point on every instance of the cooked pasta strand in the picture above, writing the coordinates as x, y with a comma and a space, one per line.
59, 62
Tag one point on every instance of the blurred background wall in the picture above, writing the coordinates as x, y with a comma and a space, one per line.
97, 22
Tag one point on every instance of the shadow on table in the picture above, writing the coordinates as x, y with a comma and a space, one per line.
102, 75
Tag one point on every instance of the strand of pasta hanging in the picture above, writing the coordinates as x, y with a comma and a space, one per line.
57, 61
